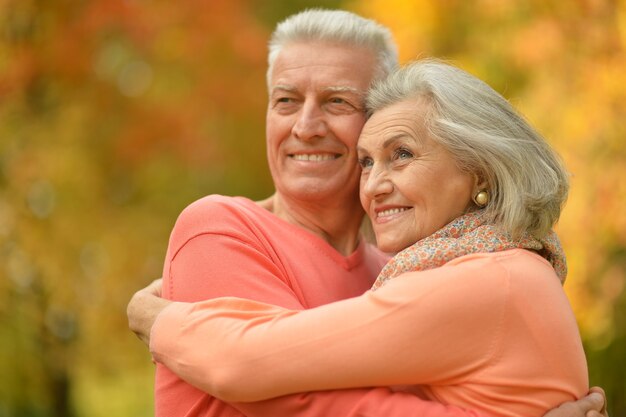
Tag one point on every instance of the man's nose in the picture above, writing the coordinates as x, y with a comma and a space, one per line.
311, 122
377, 183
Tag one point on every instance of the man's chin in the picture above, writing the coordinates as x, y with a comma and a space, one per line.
311, 190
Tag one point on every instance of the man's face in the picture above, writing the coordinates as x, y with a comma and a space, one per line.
314, 117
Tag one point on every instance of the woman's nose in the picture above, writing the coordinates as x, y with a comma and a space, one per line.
377, 183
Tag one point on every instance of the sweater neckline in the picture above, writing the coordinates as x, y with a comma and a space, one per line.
347, 262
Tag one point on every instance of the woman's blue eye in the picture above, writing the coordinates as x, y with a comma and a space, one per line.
403, 154
365, 162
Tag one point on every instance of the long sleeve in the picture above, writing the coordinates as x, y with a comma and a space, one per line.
371, 402
408, 332
492, 333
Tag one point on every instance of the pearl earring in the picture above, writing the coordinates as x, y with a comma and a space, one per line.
482, 198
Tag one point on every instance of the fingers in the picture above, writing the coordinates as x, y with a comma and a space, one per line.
143, 308
598, 390
595, 391
568, 409
594, 400
589, 406
155, 287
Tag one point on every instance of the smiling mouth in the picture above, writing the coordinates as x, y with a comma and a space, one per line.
314, 157
390, 212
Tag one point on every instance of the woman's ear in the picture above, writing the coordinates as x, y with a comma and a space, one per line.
480, 192
480, 184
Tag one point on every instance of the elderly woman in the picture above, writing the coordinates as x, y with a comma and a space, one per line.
470, 312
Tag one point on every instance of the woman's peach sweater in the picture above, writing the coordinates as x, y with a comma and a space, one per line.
492, 333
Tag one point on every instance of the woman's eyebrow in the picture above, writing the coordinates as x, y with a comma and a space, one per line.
387, 143
395, 138
345, 89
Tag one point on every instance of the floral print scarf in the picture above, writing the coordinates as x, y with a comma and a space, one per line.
468, 234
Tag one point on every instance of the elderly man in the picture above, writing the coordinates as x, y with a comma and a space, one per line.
301, 247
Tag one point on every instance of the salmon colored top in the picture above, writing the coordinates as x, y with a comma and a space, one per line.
224, 246
489, 332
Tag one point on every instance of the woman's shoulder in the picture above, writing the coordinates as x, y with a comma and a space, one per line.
519, 275
512, 261
500, 272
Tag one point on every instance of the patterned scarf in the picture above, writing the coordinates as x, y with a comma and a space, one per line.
467, 234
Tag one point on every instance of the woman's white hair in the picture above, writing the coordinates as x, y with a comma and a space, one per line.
526, 180
336, 27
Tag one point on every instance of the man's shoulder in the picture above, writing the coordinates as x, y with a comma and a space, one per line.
217, 209
215, 214
213, 204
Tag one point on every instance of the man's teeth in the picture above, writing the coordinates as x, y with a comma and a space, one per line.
313, 157
391, 211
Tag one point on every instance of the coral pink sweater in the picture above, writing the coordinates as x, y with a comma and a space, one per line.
223, 246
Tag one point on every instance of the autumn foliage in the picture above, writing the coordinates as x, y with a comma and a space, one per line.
115, 114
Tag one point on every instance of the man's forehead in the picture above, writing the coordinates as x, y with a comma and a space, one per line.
317, 66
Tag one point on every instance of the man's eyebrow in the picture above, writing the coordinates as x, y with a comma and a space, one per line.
331, 89
283, 87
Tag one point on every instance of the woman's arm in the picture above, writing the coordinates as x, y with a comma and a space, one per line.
418, 329
346, 402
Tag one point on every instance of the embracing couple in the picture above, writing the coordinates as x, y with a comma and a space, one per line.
281, 308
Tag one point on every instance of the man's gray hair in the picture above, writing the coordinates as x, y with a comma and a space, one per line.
336, 27
526, 179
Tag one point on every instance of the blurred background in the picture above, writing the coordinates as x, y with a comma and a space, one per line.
116, 114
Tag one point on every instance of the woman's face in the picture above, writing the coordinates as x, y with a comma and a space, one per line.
410, 185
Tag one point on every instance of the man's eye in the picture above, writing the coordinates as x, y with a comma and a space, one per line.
284, 103
339, 105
